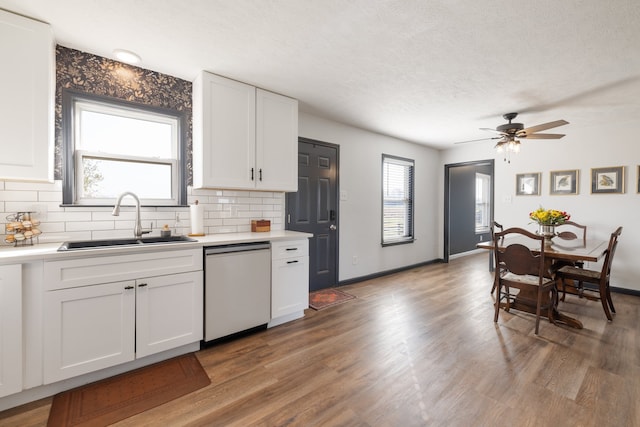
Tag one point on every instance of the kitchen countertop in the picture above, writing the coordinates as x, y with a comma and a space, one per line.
46, 251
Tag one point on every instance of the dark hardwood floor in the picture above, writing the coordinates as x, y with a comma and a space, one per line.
417, 348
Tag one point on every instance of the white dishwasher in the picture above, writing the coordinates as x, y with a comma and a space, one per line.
237, 288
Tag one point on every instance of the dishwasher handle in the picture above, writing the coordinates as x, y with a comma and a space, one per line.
239, 247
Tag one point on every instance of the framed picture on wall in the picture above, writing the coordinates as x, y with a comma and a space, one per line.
607, 180
563, 182
528, 184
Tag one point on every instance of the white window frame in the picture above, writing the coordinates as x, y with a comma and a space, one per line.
408, 201
75, 104
483, 202
82, 200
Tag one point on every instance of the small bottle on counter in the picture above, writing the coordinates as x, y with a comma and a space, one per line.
177, 225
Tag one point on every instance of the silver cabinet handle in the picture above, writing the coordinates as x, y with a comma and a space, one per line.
332, 227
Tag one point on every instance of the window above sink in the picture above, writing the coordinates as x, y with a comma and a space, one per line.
111, 146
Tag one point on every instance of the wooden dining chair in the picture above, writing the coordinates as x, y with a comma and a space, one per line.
601, 279
523, 270
570, 230
495, 226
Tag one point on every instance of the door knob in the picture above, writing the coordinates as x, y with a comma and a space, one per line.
332, 227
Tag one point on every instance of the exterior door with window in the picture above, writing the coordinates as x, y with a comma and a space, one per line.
314, 209
468, 205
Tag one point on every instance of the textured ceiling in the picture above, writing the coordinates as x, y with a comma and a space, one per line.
428, 71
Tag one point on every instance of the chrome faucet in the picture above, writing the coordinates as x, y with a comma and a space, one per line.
137, 230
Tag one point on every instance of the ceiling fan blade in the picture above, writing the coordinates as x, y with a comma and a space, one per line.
493, 130
542, 136
544, 126
476, 140
580, 96
575, 98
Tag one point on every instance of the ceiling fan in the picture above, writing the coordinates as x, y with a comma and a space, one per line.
509, 132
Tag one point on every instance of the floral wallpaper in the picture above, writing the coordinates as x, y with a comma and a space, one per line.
101, 76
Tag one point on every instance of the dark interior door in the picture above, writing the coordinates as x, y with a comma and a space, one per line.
314, 209
460, 214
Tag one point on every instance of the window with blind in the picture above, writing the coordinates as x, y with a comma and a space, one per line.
397, 200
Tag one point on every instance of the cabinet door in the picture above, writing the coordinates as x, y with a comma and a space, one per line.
87, 329
276, 142
224, 113
10, 329
169, 312
26, 104
289, 286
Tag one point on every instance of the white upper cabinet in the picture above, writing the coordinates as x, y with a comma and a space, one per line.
276, 142
27, 50
243, 137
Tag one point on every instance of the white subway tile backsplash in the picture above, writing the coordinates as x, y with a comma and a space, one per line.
111, 234
33, 186
226, 211
18, 196
235, 221
52, 227
223, 229
212, 222
89, 226
65, 236
125, 225
48, 196
68, 216
271, 201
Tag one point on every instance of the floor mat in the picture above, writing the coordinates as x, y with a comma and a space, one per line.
324, 298
116, 398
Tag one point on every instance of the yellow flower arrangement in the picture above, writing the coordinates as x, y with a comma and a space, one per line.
549, 216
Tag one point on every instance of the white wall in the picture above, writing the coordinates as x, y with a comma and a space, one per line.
360, 215
584, 147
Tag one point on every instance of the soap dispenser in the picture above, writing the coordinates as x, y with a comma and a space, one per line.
166, 231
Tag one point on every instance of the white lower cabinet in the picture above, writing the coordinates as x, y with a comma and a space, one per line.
10, 329
168, 312
87, 328
289, 280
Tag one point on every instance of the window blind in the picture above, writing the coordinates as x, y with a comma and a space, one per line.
397, 200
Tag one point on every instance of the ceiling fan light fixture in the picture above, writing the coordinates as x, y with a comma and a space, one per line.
514, 146
507, 146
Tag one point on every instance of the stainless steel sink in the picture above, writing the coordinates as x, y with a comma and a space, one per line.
97, 244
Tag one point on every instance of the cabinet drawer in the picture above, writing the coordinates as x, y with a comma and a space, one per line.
289, 249
90, 271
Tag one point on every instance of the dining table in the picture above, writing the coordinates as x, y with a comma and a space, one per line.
560, 250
